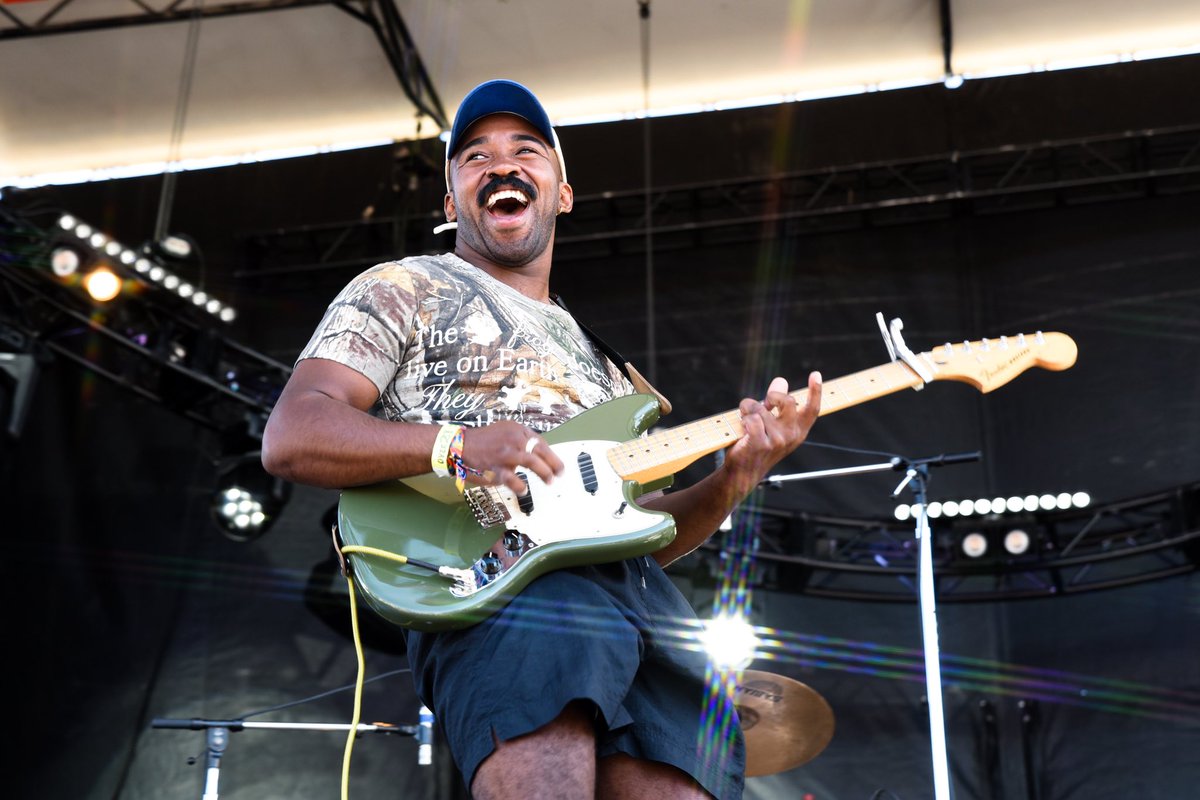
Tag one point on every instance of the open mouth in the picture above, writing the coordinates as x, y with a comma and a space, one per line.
507, 203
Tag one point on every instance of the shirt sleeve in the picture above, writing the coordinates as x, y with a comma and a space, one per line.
366, 326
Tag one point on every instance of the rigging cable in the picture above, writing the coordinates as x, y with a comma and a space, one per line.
651, 347
181, 107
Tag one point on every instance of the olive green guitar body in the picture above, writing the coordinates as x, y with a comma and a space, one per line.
583, 517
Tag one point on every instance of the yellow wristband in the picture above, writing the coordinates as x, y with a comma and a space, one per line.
441, 450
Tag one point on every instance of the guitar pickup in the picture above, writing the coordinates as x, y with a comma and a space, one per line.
587, 471
525, 499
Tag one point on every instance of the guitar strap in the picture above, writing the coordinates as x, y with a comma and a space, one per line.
627, 369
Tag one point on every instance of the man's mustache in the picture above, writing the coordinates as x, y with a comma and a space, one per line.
504, 182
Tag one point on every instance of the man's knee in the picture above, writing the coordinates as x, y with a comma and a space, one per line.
558, 760
623, 777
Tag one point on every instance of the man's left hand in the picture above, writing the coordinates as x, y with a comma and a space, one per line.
774, 427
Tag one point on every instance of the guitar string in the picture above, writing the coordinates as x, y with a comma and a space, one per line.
642, 453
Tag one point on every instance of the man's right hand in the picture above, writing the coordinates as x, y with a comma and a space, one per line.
493, 453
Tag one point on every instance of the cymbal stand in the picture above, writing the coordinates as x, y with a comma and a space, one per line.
218, 730
916, 476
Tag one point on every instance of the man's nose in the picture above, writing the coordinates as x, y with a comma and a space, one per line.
504, 165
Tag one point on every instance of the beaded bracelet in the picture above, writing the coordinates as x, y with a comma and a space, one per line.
454, 458
441, 449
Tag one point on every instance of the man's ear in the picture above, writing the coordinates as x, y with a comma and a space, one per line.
448, 207
566, 198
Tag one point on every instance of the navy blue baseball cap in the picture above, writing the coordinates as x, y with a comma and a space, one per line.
501, 97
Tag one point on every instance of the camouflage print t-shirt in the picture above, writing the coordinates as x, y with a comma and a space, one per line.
443, 341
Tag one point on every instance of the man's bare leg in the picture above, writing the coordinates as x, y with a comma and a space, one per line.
555, 762
622, 777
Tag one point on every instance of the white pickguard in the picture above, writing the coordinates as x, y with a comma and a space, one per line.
564, 510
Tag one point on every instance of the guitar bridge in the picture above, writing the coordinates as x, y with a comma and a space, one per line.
485, 507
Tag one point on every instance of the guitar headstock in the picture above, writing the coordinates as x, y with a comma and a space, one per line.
988, 364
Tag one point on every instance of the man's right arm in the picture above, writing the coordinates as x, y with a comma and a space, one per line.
321, 433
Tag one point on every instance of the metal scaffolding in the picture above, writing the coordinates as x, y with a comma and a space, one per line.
999, 180
381, 16
1070, 552
149, 341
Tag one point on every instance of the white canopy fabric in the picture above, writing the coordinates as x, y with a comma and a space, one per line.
303, 79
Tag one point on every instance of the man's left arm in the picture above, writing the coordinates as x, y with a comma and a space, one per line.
774, 427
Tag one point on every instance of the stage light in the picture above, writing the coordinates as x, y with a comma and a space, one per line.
1000, 505
64, 262
147, 264
175, 247
902, 512
240, 507
952, 81
247, 500
102, 285
730, 641
974, 545
1016, 541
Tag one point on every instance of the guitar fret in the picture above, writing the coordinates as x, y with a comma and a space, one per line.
675, 447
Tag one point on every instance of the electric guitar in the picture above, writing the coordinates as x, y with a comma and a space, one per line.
428, 557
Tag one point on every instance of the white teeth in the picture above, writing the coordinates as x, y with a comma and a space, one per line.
508, 194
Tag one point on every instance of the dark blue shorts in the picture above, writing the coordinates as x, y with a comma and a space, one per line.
620, 635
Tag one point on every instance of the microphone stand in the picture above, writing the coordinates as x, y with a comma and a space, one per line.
218, 730
916, 473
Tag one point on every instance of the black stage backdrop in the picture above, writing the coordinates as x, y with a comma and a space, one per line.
124, 603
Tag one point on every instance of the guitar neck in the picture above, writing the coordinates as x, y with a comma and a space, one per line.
661, 454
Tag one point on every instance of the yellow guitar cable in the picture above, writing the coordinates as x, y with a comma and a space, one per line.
358, 651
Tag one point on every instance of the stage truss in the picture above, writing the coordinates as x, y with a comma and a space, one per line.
1082, 550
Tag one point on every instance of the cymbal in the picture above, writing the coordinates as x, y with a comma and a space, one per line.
785, 722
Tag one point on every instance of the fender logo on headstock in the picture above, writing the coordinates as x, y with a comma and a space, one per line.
988, 374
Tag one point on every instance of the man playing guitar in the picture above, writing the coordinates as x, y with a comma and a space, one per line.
456, 363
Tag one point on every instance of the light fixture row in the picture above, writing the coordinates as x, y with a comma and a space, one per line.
1016, 542
1062, 501
145, 268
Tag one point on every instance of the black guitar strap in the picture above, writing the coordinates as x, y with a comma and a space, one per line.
627, 369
